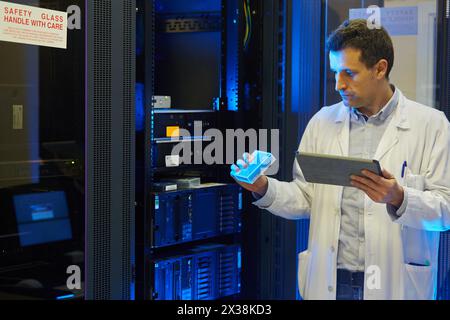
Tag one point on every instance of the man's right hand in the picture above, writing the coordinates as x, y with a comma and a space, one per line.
259, 186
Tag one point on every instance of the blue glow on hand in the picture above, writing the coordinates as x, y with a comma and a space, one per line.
259, 162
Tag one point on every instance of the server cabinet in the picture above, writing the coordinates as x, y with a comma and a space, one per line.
188, 54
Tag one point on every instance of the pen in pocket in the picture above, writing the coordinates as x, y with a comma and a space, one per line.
405, 164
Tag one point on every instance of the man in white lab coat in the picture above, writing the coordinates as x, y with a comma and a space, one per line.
380, 238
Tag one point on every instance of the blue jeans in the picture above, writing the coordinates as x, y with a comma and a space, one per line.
350, 285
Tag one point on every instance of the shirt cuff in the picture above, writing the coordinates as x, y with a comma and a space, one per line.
268, 199
398, 212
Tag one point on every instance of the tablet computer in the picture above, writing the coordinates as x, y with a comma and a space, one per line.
334, 170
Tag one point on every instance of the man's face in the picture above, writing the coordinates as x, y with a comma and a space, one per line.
356, 84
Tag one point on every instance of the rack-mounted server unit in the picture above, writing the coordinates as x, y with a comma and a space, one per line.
205, 273
195, 214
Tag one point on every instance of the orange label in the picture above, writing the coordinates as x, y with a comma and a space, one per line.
172, 132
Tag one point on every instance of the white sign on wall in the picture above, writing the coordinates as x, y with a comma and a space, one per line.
398, 21
32, 25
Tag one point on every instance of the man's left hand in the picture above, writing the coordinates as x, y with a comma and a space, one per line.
383, 189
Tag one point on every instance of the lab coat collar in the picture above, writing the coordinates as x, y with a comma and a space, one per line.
342, 113
400, 117
390, 138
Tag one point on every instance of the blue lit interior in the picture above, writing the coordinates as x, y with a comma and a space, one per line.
187, 64
187, 6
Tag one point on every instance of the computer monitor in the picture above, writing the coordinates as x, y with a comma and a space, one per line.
39, 223
42, 218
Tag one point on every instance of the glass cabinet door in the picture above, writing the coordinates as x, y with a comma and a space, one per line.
42, 137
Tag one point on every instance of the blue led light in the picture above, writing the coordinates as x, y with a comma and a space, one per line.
240, 201
186, 294
156, 202
132, 290
140, 107
67, 296
239, 259
232, 60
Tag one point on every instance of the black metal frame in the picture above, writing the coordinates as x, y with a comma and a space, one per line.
310, 85
443, 104
443, 57
110, 149
278, 236
281, 239
144, 159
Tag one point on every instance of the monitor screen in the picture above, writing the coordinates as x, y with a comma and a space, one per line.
42, 218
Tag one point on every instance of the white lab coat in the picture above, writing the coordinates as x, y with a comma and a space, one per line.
421, 136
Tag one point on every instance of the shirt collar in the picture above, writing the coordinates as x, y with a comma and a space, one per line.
386, 111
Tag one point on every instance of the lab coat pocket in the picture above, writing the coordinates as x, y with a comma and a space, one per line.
417, 246
415, 181
418, 282
303, 270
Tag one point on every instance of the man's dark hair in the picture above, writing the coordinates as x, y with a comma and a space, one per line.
375, 44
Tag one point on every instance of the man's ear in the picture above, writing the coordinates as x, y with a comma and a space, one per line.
381, 69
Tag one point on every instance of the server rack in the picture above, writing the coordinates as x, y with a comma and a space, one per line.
178, 242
